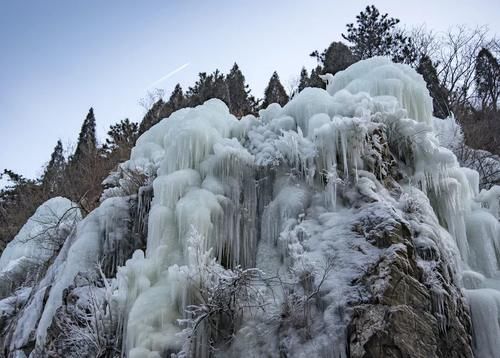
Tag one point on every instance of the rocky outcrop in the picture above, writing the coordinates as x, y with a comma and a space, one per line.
405, 317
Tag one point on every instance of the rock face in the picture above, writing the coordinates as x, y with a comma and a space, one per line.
403, 318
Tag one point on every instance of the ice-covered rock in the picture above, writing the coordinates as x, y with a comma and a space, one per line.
38, 238
338, 225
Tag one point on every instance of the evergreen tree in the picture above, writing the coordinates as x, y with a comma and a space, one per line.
304, 79
15, 178
315, 80
122, 134
87, 168
240, 100
54, 172
275, 92
87, 142
158, 110
161, 109
57, 161
177, 99
337, 58
122, 137
207, 87
438, 92
487, 79
377, 35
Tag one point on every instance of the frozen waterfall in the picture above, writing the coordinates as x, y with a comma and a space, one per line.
282, 215
260, 182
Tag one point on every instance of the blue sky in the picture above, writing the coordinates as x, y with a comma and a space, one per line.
58, 58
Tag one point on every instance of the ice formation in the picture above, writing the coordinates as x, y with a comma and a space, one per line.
52, 216
259, 186
290, 204
37, 241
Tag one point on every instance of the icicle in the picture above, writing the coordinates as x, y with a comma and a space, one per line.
483, 234
485, 312
331, 189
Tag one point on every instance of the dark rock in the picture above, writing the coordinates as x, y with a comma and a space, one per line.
406, 317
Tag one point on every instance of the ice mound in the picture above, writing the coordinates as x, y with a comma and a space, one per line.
379, 76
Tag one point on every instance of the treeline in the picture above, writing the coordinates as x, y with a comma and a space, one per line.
77, 177
232, 89
460, 67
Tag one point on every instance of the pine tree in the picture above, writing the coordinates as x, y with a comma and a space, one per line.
304, 79
122, 137
377, 35
240, 100
337, 58
177, 99
275, 92
315, 80
157, 111
487, 79
207, 87
86, 168
123, 133
87, 142
438, 92
54, 172
161, 109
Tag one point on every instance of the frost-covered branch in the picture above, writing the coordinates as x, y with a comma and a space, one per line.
220, 299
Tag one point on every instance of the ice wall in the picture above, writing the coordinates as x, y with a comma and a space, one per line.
247, 186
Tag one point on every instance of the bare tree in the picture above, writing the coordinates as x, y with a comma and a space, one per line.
151, 98
486, 164
425, 41
456, 57
292, 86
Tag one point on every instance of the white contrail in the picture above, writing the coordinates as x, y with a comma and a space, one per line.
170, 74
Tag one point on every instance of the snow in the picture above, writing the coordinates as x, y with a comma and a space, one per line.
36, 243
37, 240
9, 305
379, 76
491, 200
